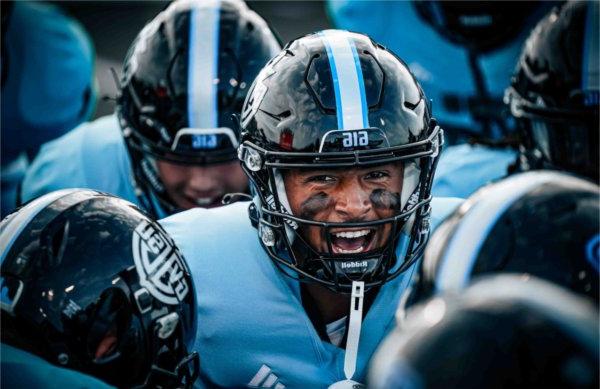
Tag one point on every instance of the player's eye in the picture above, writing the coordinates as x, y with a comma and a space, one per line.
377, 175
321, 179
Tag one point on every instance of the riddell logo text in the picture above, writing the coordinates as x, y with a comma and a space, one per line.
352, 265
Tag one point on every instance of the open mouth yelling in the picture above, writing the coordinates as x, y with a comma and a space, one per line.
352, 241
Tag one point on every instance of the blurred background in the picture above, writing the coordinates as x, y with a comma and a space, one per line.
112, 26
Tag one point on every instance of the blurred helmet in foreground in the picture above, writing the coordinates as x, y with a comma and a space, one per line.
502, 332
542, 223
90, 283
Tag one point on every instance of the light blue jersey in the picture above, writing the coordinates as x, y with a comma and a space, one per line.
92, 156
465, 168
21, 369
252, 328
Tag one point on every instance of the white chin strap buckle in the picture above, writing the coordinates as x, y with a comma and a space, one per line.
356, 313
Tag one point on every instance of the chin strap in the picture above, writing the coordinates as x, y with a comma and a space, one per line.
355, 324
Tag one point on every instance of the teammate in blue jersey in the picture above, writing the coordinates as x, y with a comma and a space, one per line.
297, 288
48, 88
463, 54
171, 143
91, 286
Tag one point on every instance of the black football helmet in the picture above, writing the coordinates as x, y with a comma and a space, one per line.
478, 25
91, 283
544, 223
338, 100
185, 75
555, 92
481, 27
502, 332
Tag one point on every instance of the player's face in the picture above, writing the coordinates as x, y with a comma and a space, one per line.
353, 195
201, 186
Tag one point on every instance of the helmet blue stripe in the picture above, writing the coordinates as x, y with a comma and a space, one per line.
462, 249
203, 59
590, 77
13, 225
361, 83
348, 84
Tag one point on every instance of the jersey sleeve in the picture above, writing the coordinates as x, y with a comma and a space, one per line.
23, 370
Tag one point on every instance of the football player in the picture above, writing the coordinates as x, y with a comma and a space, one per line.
502, 332
340, 148
540, 223
90, 284
171, 143
48, 87
555, 92
463, 53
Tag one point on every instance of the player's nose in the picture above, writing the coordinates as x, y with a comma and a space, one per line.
203, 181
352, 202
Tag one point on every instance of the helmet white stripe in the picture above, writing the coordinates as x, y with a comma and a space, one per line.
203, 60
13, 225
348, 84
463, 247
590, 77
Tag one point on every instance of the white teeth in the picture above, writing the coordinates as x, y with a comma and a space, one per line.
355, 251
204, 201
351, 234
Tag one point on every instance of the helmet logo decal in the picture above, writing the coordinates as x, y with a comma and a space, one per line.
349, 87
203, 54
258, 90
348, 140
203, 138
159, 265
592, 251
355, 138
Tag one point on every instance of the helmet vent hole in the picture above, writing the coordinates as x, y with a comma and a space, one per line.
58, 243
250, 26
285, 114
410, 105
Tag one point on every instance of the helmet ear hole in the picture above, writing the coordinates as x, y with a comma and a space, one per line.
110, 318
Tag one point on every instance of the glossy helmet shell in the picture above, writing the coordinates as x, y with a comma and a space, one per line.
554, 93
336, 99
185, 76
542, 223
78, 265
501, 332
